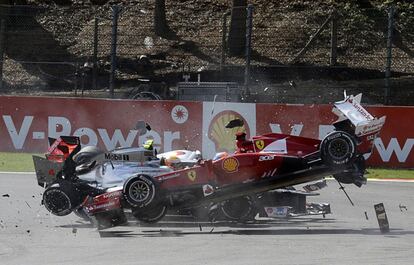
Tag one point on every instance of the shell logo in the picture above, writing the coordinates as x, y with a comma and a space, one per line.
192, 175
231, 164
224, 138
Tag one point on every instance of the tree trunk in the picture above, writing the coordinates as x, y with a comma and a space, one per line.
160, 20
236, 41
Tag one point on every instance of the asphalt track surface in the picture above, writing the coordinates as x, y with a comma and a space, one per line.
29, 235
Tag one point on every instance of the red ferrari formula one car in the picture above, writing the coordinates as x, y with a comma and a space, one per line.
264, 163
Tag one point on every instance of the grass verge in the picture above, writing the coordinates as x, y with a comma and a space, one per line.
22, 162
379, 173
16, 162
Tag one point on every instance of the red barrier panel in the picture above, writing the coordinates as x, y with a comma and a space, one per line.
26, 122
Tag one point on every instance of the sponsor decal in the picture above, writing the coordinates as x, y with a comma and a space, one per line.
282, 211
266, 158
112, 194
360, 109
259, 144
207, 190
179, 114
231, 164
175, 175
111, 156
25, 136
192, 175
105, 206
224, 138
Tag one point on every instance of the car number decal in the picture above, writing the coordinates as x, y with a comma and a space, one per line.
266, 158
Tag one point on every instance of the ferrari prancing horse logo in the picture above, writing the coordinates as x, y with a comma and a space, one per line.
259, 144
192, 175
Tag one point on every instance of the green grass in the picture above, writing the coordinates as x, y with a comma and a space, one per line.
378, 173
17, 162
22, 162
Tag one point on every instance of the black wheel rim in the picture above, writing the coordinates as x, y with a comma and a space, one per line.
339, 149
139, 191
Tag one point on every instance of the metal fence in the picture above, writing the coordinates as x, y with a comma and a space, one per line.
106, 47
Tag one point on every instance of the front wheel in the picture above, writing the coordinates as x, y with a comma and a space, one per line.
338, 149
140, 191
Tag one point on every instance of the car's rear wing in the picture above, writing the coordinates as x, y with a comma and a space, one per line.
351, 109
57, 159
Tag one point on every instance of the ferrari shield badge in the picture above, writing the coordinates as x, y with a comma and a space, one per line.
192, 175
259, 144
231, 164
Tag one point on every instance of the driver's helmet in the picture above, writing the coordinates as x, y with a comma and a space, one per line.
149, 144
172, 161
241, 136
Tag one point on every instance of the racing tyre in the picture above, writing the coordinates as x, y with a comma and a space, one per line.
152, 215
61, 198
140, 191
338, 149
238, 209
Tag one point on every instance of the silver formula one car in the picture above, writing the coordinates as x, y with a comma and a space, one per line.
72, 176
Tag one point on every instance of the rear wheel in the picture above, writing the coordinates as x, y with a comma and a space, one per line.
238, 209
338, 149
61, 198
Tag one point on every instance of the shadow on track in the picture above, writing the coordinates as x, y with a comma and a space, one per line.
254, 232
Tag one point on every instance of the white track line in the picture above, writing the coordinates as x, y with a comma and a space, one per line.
392, 180
17, 173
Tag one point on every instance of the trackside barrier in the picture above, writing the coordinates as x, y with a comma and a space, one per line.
27, 122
